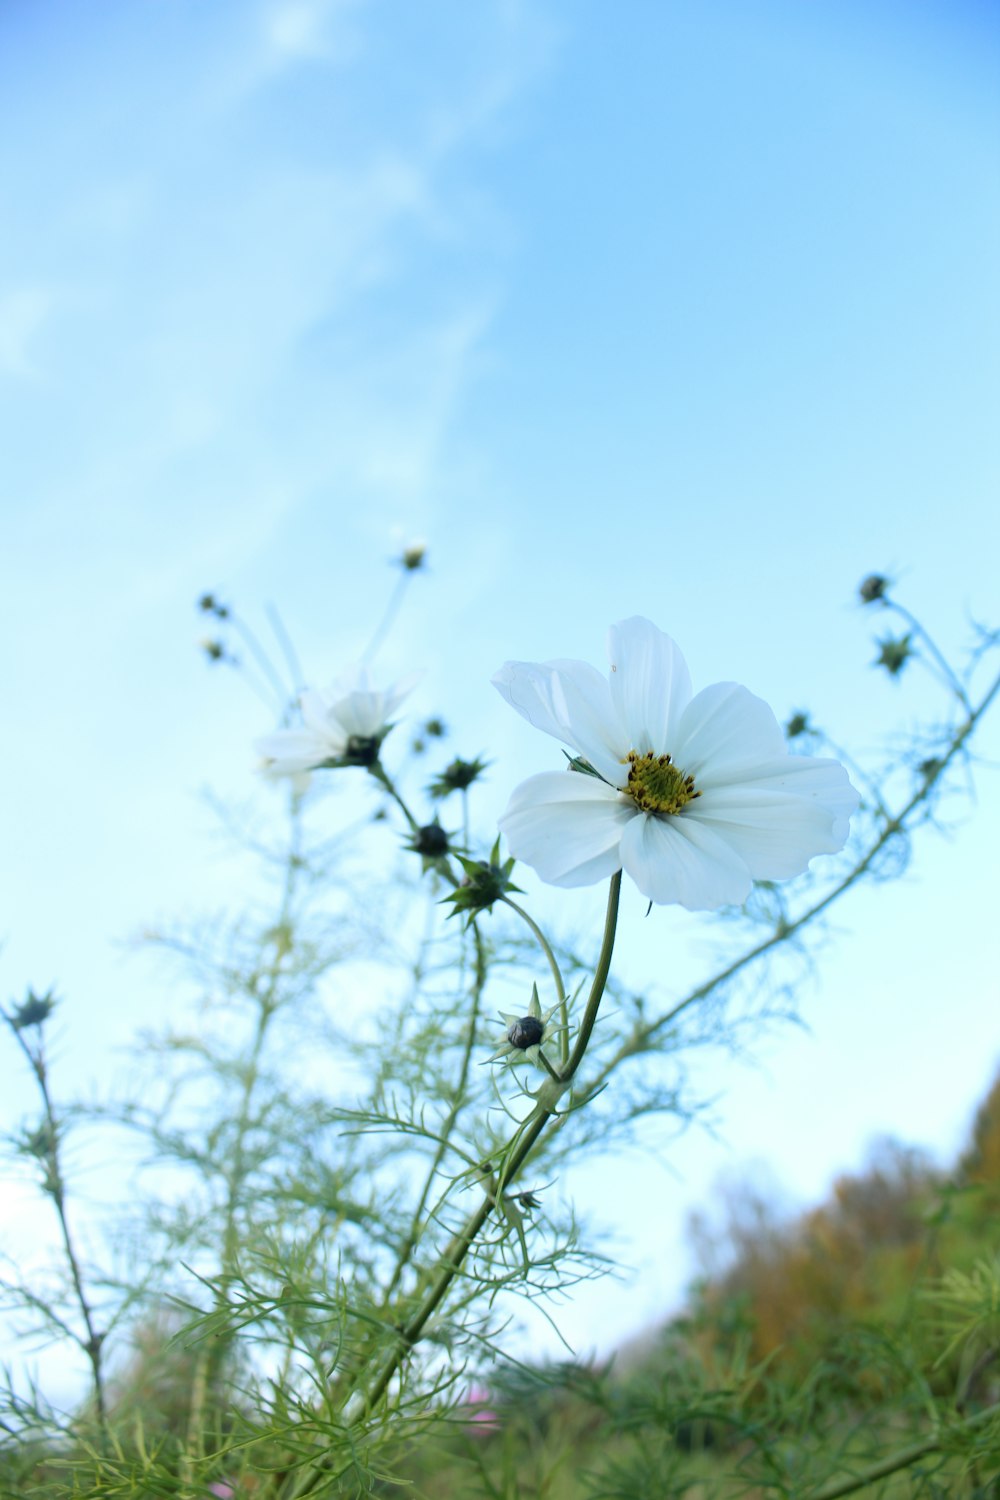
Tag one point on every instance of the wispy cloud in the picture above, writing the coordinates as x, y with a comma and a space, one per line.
295, 29
23, 311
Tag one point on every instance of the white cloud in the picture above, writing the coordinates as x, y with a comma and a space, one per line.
22, 313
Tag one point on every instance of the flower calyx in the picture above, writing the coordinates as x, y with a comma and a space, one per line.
894, 653
484, 883
33, 1011
432, 843
457, 777
526, 1035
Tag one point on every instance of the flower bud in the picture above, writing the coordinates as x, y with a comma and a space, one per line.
894, 653
413, 556
525, 1032
485, 882
457, 777
797, 725
33, 1011
874, 587
431, 841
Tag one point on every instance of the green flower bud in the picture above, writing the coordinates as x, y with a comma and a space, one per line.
874, 587
457, 777
894, 653
35, 1010
484, 883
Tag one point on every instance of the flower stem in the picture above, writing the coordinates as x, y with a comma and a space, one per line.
383, 778
947, 674
642, 1036
514, 1157
543, 943
391, 610
600, 980
901, 1459
548, 1066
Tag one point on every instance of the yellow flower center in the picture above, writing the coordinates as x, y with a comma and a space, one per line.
656, 785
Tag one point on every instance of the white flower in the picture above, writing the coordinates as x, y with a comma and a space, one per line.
694, 796
342, 727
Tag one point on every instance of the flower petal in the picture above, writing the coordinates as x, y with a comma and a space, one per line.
724, 727
650, 683
567, 827
675, 859
289, 751
778, 824
571, 701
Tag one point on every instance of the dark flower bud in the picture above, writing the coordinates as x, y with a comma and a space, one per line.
525, 1032
931, 767
413, 556
872, 588
211, 606
457, 777
214, 650
797, 724
362, 750
894, 653
431, 841
33, 1011
435, 729
528, 1200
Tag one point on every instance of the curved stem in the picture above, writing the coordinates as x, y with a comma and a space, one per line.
513, 1158
238, 1171
902, 1459
391, 611
639, 1039
940, 659
543, 943
55, 1188
600, 979
413, 1234
383, 778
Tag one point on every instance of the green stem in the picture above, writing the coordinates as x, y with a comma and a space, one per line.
548, 1066
413, 1235
902, 1459
639, 1039
600, 979
55, 1187
941, 661
391, 610
238, 1172
385, 780
543, 943
514, 1157
452, 1259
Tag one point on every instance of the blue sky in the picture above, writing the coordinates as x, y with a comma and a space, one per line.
675, 309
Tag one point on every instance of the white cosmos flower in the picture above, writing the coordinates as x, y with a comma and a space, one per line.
694, 796
343, 726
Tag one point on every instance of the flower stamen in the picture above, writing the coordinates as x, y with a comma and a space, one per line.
656, 785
